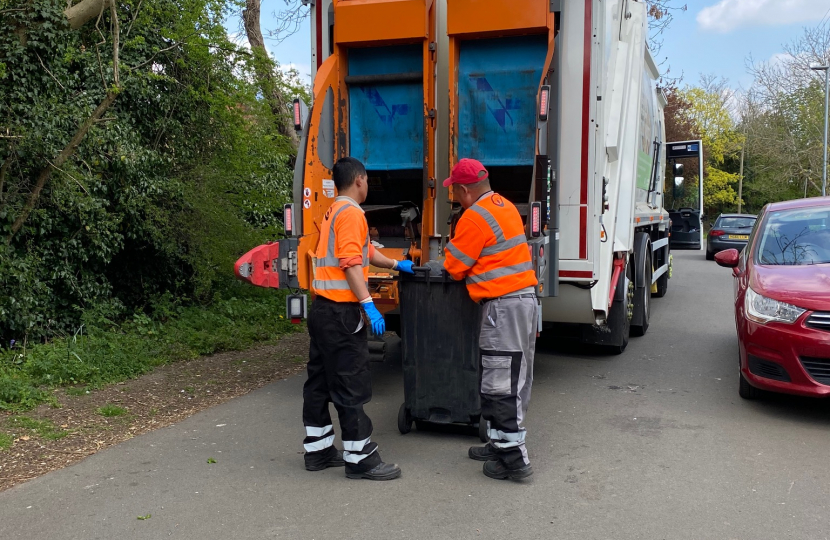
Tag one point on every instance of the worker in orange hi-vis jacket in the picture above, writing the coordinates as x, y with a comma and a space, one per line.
338, 365
489, 251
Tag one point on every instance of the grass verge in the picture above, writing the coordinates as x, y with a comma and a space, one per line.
109, 353
110, 411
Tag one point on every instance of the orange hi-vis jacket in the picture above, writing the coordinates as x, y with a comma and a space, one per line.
490, 250
344, 242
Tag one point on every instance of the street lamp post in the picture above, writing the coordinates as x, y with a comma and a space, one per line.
826, 70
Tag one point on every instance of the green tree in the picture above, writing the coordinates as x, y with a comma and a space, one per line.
709, 119
183, 170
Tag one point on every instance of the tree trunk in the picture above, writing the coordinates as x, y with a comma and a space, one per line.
265, 71
84, 11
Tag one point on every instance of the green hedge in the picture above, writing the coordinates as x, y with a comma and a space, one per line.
104, 354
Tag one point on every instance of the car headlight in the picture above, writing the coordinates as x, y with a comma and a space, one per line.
762, 310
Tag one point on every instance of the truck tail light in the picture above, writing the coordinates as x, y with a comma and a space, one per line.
288, 215
535, 219
544, 103
298, 118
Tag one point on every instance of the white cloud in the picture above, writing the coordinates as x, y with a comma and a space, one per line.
303, 70
779, 59
729, 15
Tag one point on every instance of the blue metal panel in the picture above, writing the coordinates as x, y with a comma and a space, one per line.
386, 123
498, 81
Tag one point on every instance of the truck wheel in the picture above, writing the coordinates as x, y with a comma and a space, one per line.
642, 302
663, 281
619, 319
404, 420
483, 431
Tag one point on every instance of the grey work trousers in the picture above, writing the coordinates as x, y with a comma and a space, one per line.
507, 345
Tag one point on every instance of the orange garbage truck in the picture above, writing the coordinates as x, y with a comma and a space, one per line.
557, 98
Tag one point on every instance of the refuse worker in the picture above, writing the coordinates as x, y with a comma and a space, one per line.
489, 250
338, 365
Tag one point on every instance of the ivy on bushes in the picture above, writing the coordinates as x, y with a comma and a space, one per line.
183, 173
126, 258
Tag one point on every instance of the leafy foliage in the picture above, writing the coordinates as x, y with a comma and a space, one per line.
703, 112
107, 352
184, 172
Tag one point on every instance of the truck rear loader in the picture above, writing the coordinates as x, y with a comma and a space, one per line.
557, 98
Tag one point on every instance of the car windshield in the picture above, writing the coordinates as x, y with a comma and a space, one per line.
795, 237
736, 222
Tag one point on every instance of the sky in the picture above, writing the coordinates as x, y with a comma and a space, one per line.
712, 37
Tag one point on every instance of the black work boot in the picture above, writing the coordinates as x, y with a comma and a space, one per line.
482, 453
383, 471
316, 461
496, 469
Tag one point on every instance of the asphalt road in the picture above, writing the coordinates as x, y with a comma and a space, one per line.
653, 444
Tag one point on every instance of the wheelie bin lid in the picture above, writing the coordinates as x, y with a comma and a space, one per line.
432, 271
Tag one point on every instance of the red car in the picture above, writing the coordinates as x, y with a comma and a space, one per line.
782, 300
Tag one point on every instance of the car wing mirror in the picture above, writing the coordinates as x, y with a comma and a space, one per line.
728, 259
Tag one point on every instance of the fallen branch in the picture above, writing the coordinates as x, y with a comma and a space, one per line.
67, 152
76, 140
50, 73
70, 176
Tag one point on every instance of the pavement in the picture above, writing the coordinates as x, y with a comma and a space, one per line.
652, 444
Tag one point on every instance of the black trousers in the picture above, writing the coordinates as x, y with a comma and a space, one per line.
338, 373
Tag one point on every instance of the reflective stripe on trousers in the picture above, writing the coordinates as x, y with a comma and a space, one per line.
318, 438
507, 346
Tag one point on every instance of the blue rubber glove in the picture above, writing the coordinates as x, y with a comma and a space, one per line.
405, 267
378, 325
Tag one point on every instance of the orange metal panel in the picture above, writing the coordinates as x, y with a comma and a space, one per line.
428, 208
315, 172
496, 16
362, 21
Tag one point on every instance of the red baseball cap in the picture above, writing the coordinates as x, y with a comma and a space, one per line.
467, 171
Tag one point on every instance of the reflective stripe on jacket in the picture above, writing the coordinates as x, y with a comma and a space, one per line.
489, 250
344, 234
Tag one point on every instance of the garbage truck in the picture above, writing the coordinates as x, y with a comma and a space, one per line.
557, 98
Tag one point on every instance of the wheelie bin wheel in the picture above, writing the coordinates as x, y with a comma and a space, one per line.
483, 430
404, 420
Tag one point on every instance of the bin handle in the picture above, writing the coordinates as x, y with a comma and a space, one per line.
420, 269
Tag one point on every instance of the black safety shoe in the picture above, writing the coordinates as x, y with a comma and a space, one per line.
336, 460
482, 453
384, 471
496, 469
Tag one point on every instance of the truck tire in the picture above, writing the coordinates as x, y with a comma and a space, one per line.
642, 301
663, 281
619, 319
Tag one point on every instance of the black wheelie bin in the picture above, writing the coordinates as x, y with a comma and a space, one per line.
439, 340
